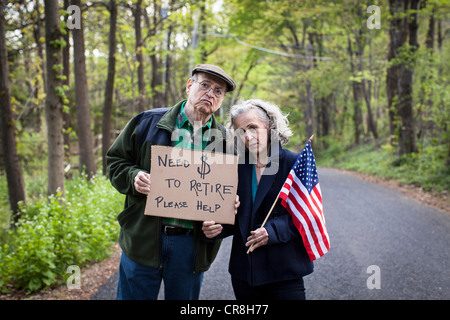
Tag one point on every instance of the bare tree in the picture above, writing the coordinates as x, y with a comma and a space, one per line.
14, 176
84, 132
66, 82
107, 109
137, 12
404, 25
53, 103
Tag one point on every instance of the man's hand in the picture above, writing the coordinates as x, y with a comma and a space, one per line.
142, 182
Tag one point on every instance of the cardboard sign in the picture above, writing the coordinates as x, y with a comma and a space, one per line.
192, 185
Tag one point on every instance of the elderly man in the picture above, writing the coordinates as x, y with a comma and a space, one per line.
155, 248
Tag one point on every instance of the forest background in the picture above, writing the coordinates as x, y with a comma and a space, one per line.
370, 79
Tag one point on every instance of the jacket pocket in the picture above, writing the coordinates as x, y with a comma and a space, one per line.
125, 215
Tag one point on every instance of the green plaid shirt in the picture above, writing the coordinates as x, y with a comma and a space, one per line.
187, 139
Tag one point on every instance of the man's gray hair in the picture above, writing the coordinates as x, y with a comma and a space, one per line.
269, 113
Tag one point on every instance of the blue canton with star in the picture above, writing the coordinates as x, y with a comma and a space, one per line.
305, 168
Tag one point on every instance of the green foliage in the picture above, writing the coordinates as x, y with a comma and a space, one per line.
4, 205
58, 43
406, 56
32, 150
264, 46
55, 232
426, 168
328, 155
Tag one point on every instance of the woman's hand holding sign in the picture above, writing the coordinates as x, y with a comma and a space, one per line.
211, 229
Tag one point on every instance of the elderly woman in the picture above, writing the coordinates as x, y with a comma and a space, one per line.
277, 261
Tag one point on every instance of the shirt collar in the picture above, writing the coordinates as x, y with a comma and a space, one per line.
183, 120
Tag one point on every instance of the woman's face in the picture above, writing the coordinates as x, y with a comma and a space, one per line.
253, 132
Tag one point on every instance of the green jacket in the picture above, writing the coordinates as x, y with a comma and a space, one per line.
131, 152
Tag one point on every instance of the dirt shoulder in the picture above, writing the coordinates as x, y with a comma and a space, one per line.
92, 278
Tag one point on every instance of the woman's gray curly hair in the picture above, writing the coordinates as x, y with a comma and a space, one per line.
269, 113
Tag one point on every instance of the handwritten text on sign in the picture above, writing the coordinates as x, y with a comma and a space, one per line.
192, 185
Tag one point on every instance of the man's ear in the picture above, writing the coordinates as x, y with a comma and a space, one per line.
189, 84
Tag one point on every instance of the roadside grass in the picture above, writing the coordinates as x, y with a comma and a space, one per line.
426, 169
56, 232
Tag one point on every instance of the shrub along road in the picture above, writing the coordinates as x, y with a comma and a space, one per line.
380, 238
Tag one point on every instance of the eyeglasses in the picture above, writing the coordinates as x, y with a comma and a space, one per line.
205, 86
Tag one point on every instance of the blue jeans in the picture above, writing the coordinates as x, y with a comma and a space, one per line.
139, 282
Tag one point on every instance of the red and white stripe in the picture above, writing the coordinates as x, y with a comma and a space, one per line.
307, 214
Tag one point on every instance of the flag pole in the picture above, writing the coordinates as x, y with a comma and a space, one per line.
265, 220
273, 205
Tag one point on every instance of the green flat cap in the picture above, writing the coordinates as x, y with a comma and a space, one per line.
217, 72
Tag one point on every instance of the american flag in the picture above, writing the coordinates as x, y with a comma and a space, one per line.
302, 198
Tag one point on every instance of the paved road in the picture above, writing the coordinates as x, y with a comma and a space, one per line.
369, 225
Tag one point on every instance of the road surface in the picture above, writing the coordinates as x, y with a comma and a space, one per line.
384, 245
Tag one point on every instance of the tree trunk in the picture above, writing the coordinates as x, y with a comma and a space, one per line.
309, 116
367, 92
309, 110
407, 138
139, 56
357, 113
156, 82
397, 37
425, 96
66, 71
84, 132
440, 38
167, 63
429, 41
14, 176
53, 103
203, 26
40, 72
371, 124
391, 92
357, 95
324, 106
107, 109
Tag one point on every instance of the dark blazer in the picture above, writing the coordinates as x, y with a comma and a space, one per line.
284, 257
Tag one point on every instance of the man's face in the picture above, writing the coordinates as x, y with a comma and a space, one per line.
206, 93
